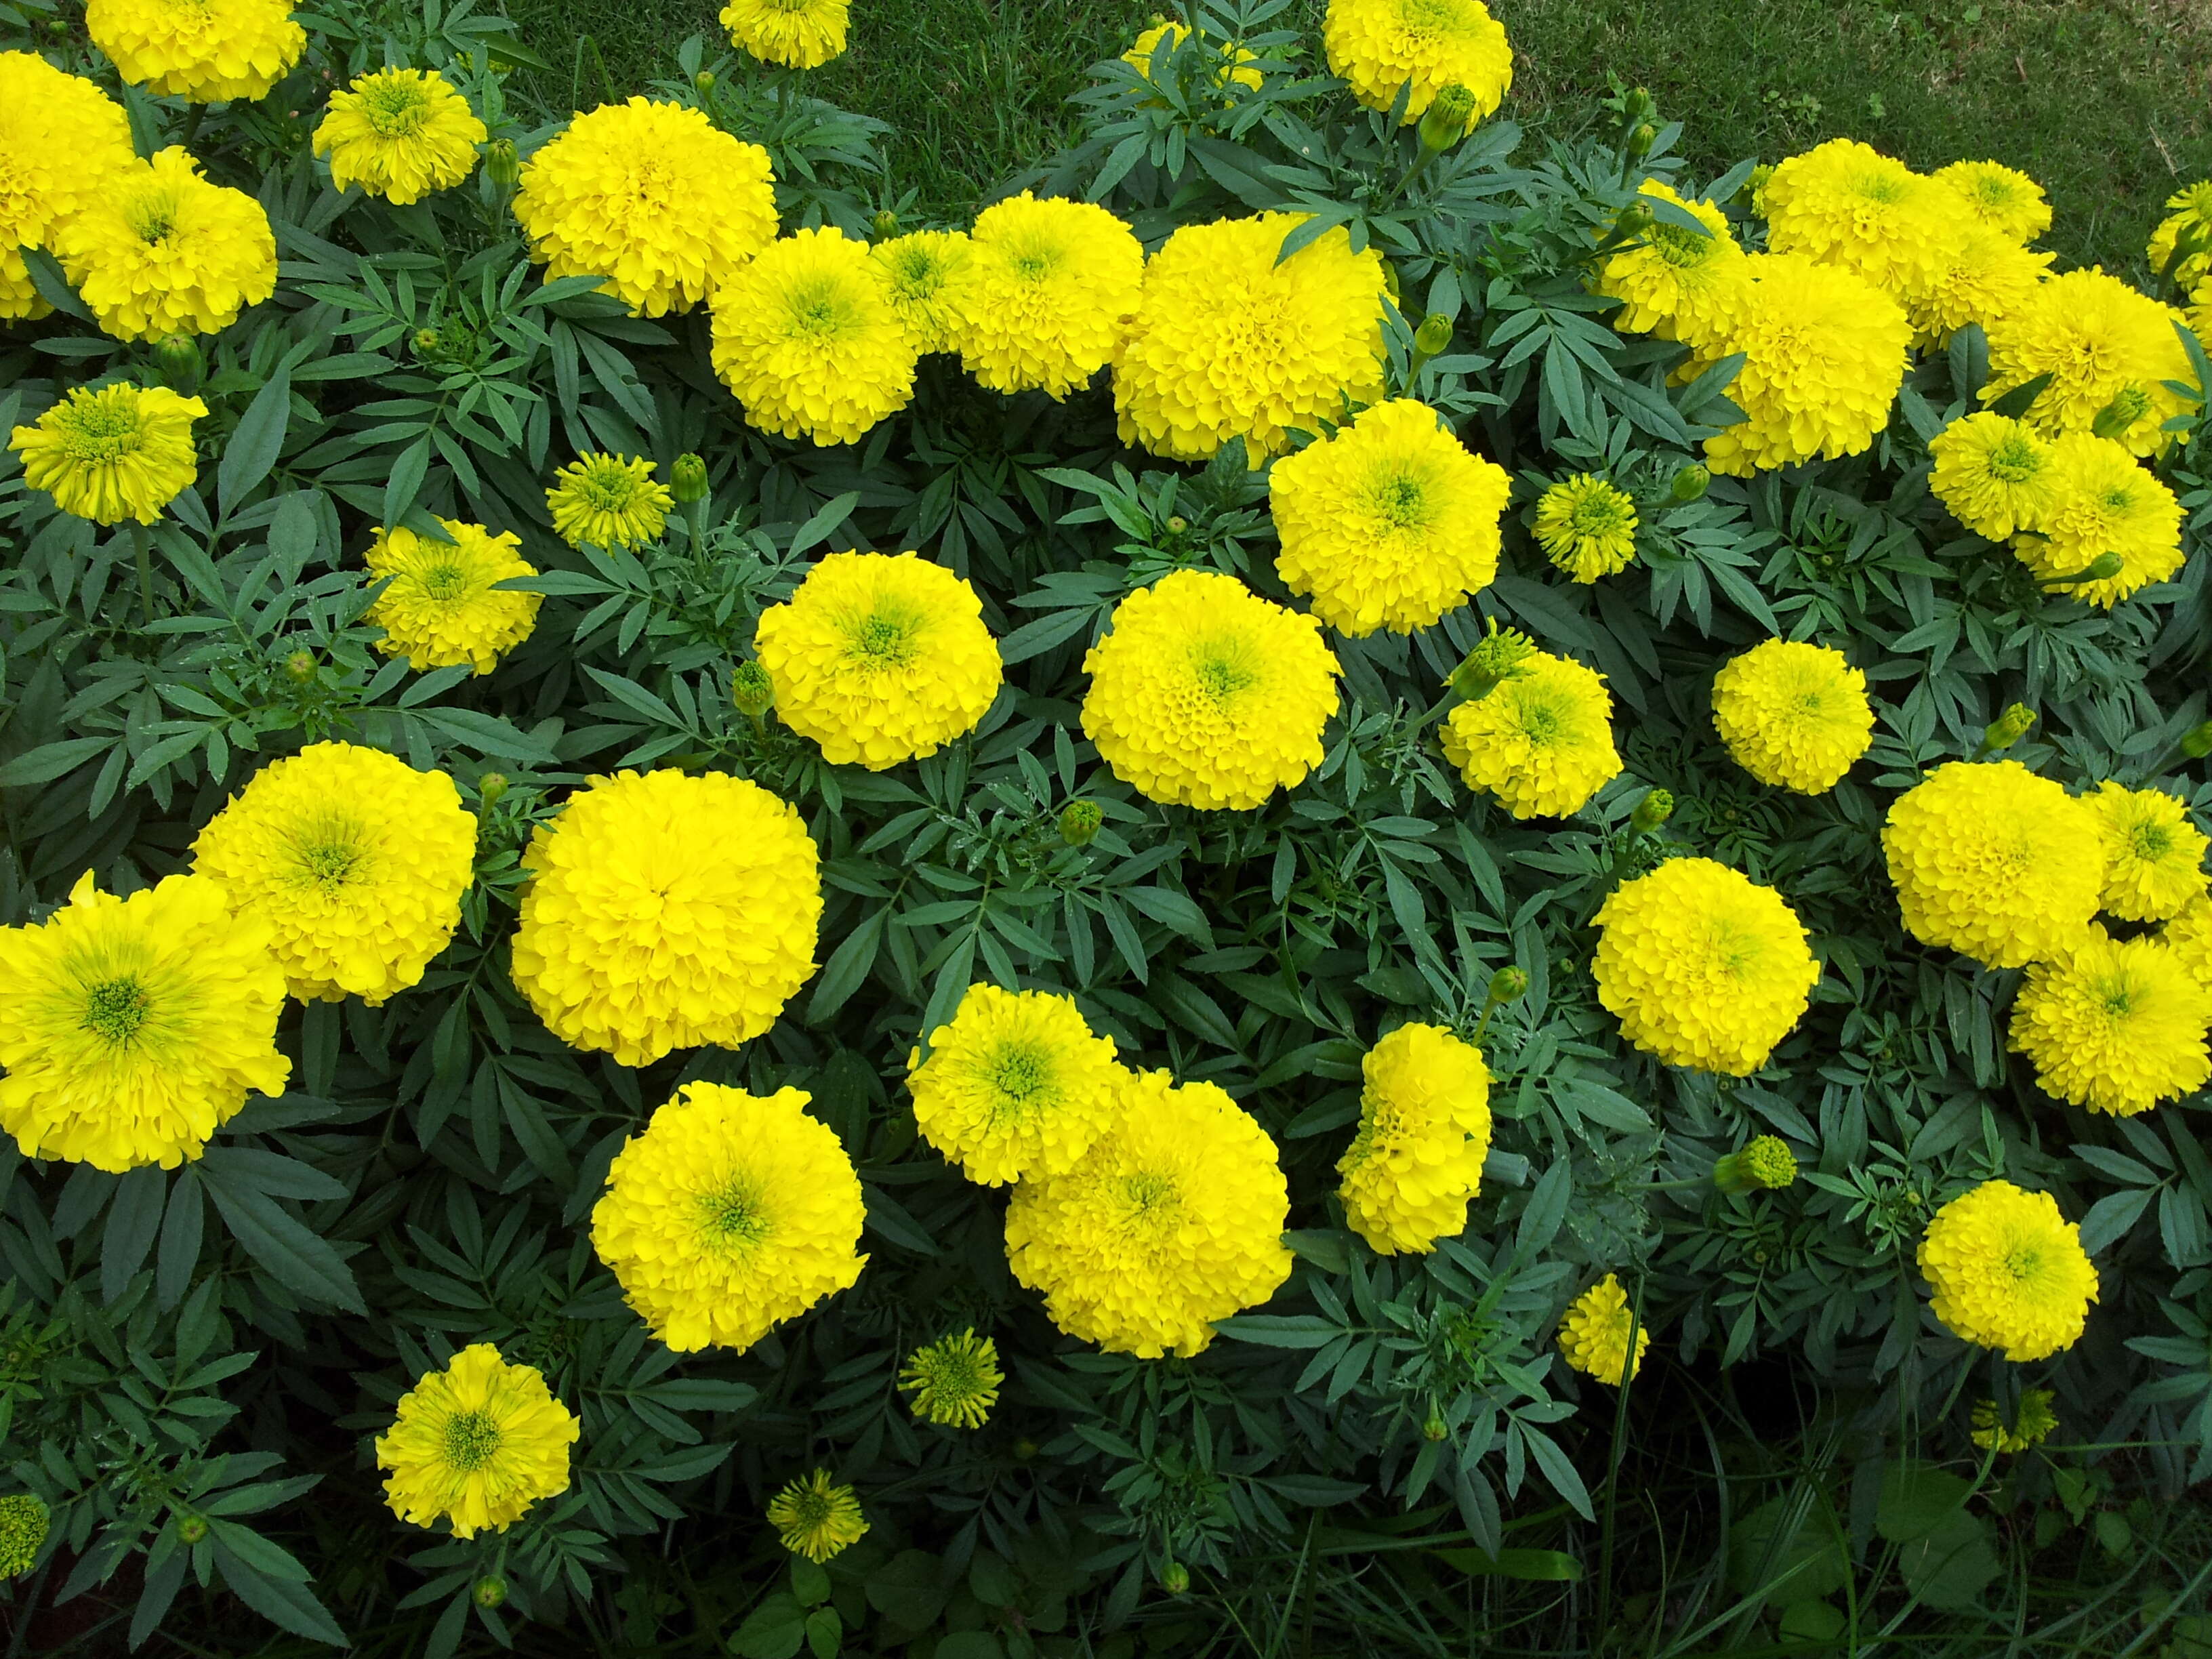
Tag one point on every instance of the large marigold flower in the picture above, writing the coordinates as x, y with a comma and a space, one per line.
2108, 502
2003, 198
1227, 343
664, 912
1703, 966
1042, 308
1996, 475
1793, 714
1234, 68
477, 1443
62, 140
1994, 862
608, 500
440, 606
1672, 281
880, 658
806, 336
1586, 526
815, 1517
202, 51
1847, 204
2008, 1272
1423, 1132
1173, 1220
133, 1027
1594, 1334
928, 272
2154, 855
2106, 348
954, 1380
1541, 741
1978, 276
1422, 47
1206, 695
120, 451
651, 196
796, 33
400, 134
2116, 1025
163, 250
728, 1215
1390, 523
1015, 1087
2188, 214
356, 859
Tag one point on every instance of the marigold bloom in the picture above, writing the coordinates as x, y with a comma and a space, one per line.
2108, 502
24, 1523
1793, 714
2190, 214
163, 250
202, 51
1847, 204
608, 500
1422, 47
2105, 346
1205, 695
62, 140
1017, 1086
400, 134
440, 606
133, 1027
2189, 936
2031, 1427
1671, 280
1390, 523
928, 272
954, 1381
1234, 58
2154, 853
1586, 526
1977, 275
730, 1213
1594, 1334
815, 1518
796, 33
477, 1443
1541, 741
2115, 1025
1423, 1132
1996, 475
2008, 1272
119, 452
2004, 199
1042, 308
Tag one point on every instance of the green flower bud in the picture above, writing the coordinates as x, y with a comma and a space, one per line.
1080, 821
1434, 1428
1433, 336
178, 361
887, 224
1177, 524
489, 1591
1509, 984
2006, 729
300, 665
1024, 1450
1449, 118
489, 787
2129, 405
502, 165
704, 82
1503, 655
24, 1523
1175, 1577
1690, 485
2102, 569
1653, 809
1767, 1163
1636, 220
426, 342
751, 691
1641, 140
1637, 107
190, 1528
2197, 742
687, 479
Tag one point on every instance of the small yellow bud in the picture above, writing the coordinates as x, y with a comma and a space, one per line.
1080, 821
703, 82
489, 1591
1766, 1163
1434, 1428
1177, 524
300, 665
426, 342
1174, 1578
2129, 405
190, 1528
751, 691
1449, 118
1653, 809
1503, 655
489, 787
687, 479
2006, 729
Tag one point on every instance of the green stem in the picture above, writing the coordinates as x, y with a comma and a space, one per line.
142, 555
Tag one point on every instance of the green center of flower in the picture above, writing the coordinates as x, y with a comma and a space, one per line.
732, 1215
1399, 501
2014, 460
1541, 720
1991, 191
1678, 245
1018, 1074
915, 272
1601, 513
471, 1440
2024, 1262
950, 1374
396, 108
1882, 188
1036, 261
1222, 676
607, 488
100, 429
822, 308
1437, 18
2150, 842
444, 582
1148, 1196
884, 638
115, 1010
152, 214
332, 862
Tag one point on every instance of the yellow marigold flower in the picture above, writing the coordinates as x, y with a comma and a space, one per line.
1226, 343
163, 250
796, 33
2009, 202
1703, 966
651, 196
2032, 1427
2008, 1272
1978, 276
400, 134
1995, 474
202, 51
664, 912
1541, 741
477, 1443
1390, 523
2154, 855
815, 1519
731, 1213
880, 658
1042, 308
2108, 502
1172, 1220
1673, 281
1594, 1334
133, 1027
954, 1381
1234, 58
1994, 862
1847, 204
1586, 526
439, 607
1206, 695
356, 859
1017, 1086
2104, 347
1423, 1132
607, 500
24, 1523
928, 272
119, 452
1793, 714
2190, 213
1422, 47
61, 141
2114, 1025
2189, 936
808, 339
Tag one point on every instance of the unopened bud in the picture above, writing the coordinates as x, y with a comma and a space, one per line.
1174, 1578
502, 165
300, 665
1503, 655
1690, 485
2129, 405
178, 361
887, 224
1767, 1163
1434, 334
1641, 140
190, 1528
687, 479
2006, 729
1449, 118
1637, 106
489, 787
1177, 524
1024, 1450
1509, 984
1434, 1428
426, 342
703, 83
2102, 569
751, 689
489, 1591
2197, 742
1080, 821
1653, 809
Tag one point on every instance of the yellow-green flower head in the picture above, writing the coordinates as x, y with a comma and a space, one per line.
1206, 695
664, 912
2189, 936
133, 1027
62, 139
1541, 741
1978, 276
24, 1523
1995, 474
1042, 308
1425, 45
1994, 862
1793, 714
608, 500
2108, 502
1423, 1132
119, 452
2008, 1272
880, 658
651, 196
2188, 214
2005, 200
1847, 204
2098, 340
815, 1519
1764, 1164
1234, 58
808, 339
202, 51
1390, 523
1586, 526
1594, 1334
356, 859
1703, 966
1671, 280
2154, 853
2200, 310
1017, 1086
731, 1213
2032, 1427
1226, 343
954, 1381
161, 251
1172, 1220
476, 1444
796, 33
2114, 1025
400, 134
928, 272
439, 607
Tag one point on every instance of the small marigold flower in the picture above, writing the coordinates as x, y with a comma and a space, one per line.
2008, 1272
1586, 526
2189, 218
1542, 740
2108, 504
954, 1381
24, 1523
1502, 654
815, 1519
61, 141
1766, 1164
1594, 1334
2097, 339
1383, 46
440, 606
796, 33
1793, 714
400, 134
1424, 1132
2114, 1025
2005, 200
608, 500
1670, 280
119, 452
2031, 1426
202, 51
1234, 58
1042, 308
1849, 206
163, 250
2189, 936
1996, 475
927, 271
1017, 1086
2154, 853
476, 1444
